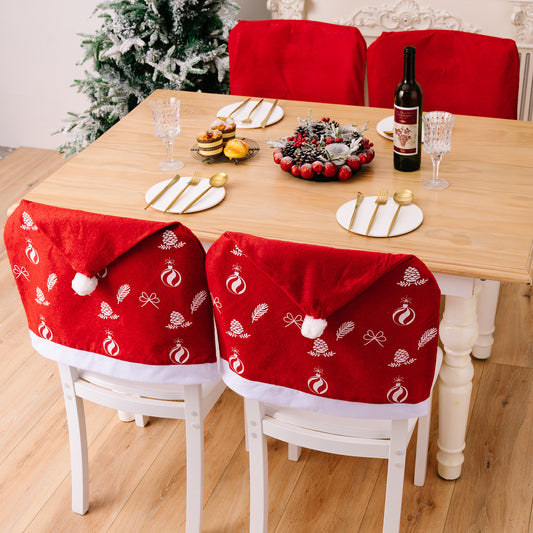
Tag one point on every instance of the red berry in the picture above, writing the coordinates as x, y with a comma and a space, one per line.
286, 163
330, 169
354, 162
278, 156
306, 171
345, 173
318, 166
295, 170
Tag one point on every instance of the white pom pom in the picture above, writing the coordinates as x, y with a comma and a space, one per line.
84, 285
312, 328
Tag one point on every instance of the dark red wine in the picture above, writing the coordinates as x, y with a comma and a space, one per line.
408, 117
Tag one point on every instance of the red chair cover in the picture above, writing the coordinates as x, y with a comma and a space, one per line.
149, 317
459, 72
376, 355
297, 60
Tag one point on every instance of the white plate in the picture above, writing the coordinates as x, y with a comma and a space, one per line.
387, 124
409, 217
257, 116
210, 198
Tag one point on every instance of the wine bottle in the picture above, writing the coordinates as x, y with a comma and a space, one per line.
408, 117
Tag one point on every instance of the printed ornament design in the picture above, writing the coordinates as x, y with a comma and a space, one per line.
411, 276
21, 271
370, 336
236, 330
170, 276
110, 345
170, 240
402, 357
41, 299
317, 383
51, 281
44, 331
344, 329
428, 335
177, 320
320, 347
296, 320
404, 315
235, 363
27, 222
397, 393
259, 311
31, 252
152, 299
107, 312
235, 284
122, 292
179, 354
198, 300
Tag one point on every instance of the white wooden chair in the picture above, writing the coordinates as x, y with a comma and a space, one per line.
122, 306
314, 340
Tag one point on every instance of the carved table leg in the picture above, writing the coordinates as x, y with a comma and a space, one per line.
458, 332
486, 313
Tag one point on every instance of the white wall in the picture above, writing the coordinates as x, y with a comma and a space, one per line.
39, 50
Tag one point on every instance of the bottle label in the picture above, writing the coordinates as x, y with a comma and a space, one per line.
405, 130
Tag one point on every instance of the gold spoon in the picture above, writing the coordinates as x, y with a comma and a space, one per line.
403, 197
216, 180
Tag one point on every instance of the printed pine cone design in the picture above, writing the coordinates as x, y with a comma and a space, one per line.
177, 320
170, 240
402, 357
321, 348
236, 330
411, 276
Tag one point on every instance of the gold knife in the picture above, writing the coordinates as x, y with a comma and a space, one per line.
360, 197
236, 109
165, 189
264, 123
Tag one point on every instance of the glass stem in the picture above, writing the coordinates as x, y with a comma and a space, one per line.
169, 143
436, 162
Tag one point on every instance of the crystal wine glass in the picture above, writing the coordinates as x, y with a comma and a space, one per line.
166, 113
438, 127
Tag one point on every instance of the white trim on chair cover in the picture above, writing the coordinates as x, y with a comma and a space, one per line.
173, 374
266, 392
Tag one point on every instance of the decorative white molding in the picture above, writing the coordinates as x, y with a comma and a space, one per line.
404, 15
522, 19
286, 9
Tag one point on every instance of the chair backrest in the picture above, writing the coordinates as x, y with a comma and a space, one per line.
297, 60
342, 332
123, 297
459, 72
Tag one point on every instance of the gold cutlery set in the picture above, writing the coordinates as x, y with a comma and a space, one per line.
217, 180
403, 197
248, 119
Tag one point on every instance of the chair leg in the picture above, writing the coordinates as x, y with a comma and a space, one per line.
79, 463
294, 452
395, 476
194, 424
422, 445
258, 456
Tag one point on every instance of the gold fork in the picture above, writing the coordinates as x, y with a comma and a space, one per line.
247, 120
195, 180
382, 198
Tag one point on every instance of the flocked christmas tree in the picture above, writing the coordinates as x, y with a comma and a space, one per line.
143, 45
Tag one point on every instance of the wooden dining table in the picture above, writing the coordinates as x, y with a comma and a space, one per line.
476, 233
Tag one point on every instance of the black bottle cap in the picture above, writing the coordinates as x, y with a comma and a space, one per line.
409, 50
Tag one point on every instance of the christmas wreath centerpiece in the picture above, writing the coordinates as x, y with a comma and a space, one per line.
323, 150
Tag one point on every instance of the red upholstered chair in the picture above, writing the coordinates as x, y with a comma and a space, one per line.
459, 72
335, 350
297, 60
123, 306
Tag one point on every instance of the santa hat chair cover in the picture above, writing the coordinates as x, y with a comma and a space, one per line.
127, 298
342, 332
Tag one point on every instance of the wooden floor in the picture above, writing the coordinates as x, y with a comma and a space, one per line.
137, 481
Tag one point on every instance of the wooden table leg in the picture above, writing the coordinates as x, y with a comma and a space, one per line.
486, 314
458, 332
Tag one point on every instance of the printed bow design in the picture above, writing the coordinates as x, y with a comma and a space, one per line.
370, 336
